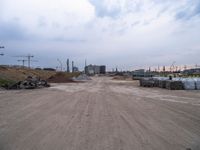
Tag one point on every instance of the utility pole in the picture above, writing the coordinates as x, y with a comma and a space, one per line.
176, 68
85, 65
185, 67
163, 68
149, 69
1, 47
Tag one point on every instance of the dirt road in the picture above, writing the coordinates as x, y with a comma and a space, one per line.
101, 114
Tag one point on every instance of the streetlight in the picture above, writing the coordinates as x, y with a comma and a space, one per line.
1, 54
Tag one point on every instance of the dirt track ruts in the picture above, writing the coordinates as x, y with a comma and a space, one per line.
101, 114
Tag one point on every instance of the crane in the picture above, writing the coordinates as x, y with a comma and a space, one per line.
29, 57
23, 61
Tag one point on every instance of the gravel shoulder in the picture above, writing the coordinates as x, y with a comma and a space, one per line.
101, 114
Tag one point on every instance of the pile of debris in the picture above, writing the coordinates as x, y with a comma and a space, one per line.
82, 77
171, 84
29, 83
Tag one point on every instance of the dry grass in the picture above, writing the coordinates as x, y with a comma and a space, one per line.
17, 74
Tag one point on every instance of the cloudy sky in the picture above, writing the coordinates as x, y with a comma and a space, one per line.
129, 34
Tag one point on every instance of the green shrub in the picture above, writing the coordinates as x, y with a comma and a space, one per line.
5, 83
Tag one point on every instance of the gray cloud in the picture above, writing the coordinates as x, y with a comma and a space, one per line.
12, 31
102, 11
189, 11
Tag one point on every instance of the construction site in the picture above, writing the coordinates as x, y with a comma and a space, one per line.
49, 109
99, 75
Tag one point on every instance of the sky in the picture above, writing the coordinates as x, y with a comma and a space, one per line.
128, 34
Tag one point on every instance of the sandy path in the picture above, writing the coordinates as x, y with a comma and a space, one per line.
99, 115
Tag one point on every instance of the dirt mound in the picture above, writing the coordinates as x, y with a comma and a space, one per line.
60, 78
2, 68
19, 74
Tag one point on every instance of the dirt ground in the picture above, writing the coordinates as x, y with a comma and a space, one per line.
101, 114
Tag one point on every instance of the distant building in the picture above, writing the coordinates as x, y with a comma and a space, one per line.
75, 69
94, 69
49, 69
137, 74
192, 71
102, 69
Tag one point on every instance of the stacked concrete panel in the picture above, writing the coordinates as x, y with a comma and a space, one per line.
174, 85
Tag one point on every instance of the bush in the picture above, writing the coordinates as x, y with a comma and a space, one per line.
5, 83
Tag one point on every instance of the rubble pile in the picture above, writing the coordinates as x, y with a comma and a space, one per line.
82, 77
29, 83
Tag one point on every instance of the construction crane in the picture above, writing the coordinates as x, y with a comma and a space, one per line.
29, 57
23, 61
